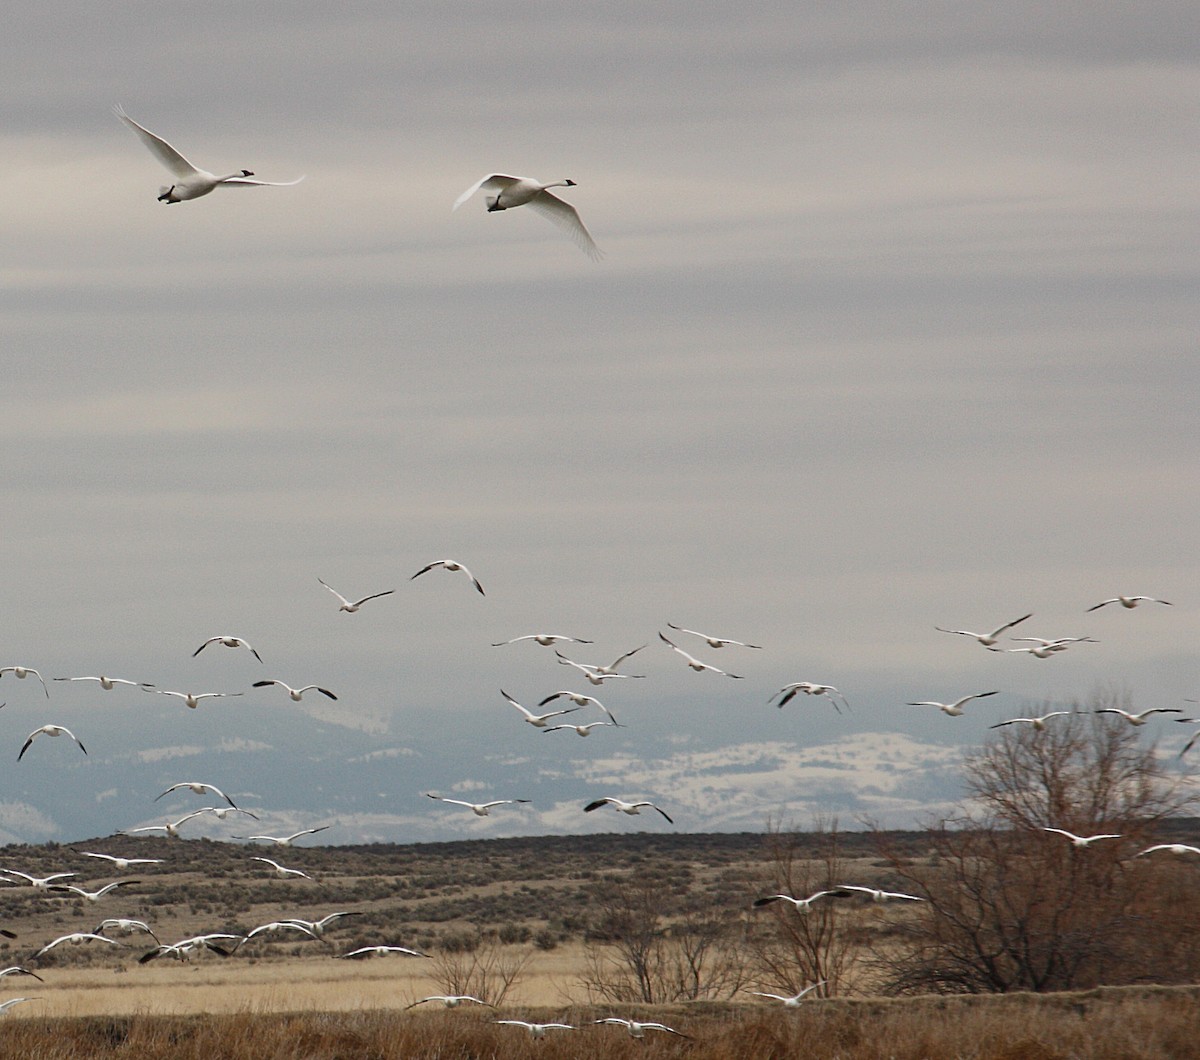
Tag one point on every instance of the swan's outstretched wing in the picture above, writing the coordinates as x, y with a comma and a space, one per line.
159, 147
492, 182
263, 183
565, 216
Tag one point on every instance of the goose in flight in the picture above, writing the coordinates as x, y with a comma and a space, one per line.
297, 694
579, 699
450, 1001
537, 1030
125, 926
17, 969
597, 675
350, 606
987, 639
41, 882
379, 951
714, 642
6, 1005
1129, 601
50, 730
170, 829
625, 807
286, 840
1081, 840
1175, 848
108, 683
76, 938
695, 663
22, 672
876, 895
1038, 723
1139, 718
544, 639
954, 709
189, 182
637, 1029
279, 925
319, 927
282, 871
184, 949
480, 809
1042, 650
584, 730
192, 699
221, 812
92, 896
794, 1000
450, 565
809, 688
802, 905
538, 721
504, 192
199, 788
228, 642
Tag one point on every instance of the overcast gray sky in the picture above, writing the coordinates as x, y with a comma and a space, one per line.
896, 328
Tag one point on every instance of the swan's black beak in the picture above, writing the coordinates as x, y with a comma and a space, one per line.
247, 173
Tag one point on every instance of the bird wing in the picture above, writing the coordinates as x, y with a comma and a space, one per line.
159, 147
496, 181
565, 216
262, 183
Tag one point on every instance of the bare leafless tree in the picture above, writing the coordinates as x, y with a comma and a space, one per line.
488, 970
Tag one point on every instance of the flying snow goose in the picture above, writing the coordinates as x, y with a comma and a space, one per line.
538, 721
504, 192
222, 812
92, 896
380, 951
809, 688
286, 840
22, 672
184, 949
76, 938
1129, 601
228, 642
695, 663
597, 675
801, 905
50, 730
170, 829
350, 606
41, 882
625, 807
546, 640
638, 1029
282, 871
877, 895
189, 182
794, 1000
580, 699
987, 639
954, 709
1175, 848
450, 565
537, 1030
480, 809
125, 926
277, 926
107, 683
192, 699
17, 969
6, 1005
199, 788
583, 730
714, 642
319, 927
450, 1001
1082, 840
1140, 718
1038, 723
297, 694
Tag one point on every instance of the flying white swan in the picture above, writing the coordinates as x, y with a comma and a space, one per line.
22, 672
537, 1030
538, 721
1082, 840
286, 840
228, 642
714, 642
282, 871
50, 730
795, 999
810, 688
192, 699
190, 182
954, 709
637, 1029
1038, 723
625, 807
1129, 601
695, 663
480, 809
199, 788
297, 694
350, 606
544, 639
987, 639
450, 565
504, 192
